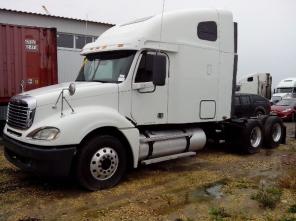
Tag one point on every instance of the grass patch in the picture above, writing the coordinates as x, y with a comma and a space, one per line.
244, 184
268, 197
218, 214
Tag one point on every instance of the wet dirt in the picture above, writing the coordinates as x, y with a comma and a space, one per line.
184, 189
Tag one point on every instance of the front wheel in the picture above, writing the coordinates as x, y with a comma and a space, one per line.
259, 113
101, 163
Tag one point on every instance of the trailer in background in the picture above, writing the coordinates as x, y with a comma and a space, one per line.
259, 84
28, 60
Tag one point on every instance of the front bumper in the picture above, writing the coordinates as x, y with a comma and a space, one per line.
41, 160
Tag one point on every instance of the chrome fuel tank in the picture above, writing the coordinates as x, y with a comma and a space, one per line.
155, 144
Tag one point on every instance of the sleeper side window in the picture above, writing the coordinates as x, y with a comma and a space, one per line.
146, 68
207, 31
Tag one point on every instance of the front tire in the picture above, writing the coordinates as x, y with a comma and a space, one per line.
101, 163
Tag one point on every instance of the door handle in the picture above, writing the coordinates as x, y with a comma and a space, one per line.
22, 84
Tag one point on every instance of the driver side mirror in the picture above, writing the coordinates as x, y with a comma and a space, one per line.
159, 70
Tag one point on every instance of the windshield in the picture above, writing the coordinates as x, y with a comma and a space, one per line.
286, 102
284, 90
111, 66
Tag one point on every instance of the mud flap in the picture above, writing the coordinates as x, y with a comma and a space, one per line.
283, 141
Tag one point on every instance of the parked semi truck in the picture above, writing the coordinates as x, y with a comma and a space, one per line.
151, 90
285, 89
259, 83
28, 60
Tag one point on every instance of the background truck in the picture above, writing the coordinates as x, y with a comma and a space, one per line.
285, 89
259, 83
28, 60
151, 90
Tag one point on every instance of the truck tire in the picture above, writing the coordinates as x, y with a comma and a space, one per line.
251, 137
101, 163
273, 132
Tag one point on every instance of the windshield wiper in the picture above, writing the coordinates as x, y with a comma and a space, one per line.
99, 81
102, 81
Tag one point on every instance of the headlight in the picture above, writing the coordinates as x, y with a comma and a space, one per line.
287, 110
45, 133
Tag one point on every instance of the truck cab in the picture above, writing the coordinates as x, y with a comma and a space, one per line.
285, 89
150, 90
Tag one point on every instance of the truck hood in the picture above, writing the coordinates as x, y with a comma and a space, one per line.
48, 95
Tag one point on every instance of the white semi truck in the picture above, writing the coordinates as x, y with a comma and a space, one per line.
259, 83
148, 91
285, 89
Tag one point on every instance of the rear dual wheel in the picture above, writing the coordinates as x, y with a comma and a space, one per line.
254, 135
251, 137
273, 132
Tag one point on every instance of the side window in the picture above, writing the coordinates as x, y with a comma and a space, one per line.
65, 40
245, 100
207, 31
80, 41
146, 67
250, 79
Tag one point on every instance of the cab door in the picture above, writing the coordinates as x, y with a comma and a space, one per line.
149, 103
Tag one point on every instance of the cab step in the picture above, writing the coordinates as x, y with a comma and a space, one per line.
165, 158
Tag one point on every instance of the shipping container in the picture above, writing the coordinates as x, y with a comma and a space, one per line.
28, 60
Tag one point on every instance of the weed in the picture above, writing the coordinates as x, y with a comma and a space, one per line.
27, 218
288, 219
268, 197
288, 181
184, 219
217, 214
292, 209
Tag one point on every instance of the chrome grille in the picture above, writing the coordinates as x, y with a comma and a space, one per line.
21, 112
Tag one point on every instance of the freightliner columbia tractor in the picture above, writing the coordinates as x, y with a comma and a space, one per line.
151, 90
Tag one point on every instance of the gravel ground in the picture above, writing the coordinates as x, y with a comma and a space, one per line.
215, 185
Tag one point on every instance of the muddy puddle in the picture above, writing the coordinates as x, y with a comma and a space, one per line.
206, 193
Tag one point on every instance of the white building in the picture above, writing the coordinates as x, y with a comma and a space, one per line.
72, 35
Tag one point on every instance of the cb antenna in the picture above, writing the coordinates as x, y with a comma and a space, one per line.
161, 23
85, 32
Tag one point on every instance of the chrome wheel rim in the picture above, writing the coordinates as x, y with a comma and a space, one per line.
256, 137
104, 163
276, 132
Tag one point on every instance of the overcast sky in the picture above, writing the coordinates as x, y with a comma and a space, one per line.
267, 28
